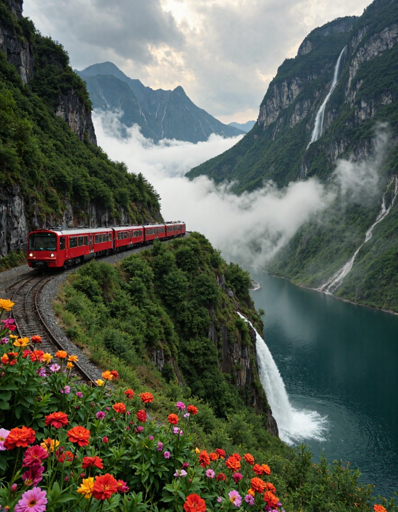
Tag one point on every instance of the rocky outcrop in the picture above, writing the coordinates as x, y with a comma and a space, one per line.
340, 25
15, 7
280, 97
13, 224
72, 110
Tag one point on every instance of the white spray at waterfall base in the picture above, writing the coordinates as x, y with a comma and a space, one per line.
293, 425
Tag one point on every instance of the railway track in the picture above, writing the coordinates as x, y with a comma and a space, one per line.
29, 321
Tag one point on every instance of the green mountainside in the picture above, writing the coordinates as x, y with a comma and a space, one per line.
363, 103
51, 170
159, 113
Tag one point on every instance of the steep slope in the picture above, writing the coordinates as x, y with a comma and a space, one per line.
51, 171
346, 72
159, 113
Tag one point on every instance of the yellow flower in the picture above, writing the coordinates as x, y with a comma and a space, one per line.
21, 342
6, 304
99, 382
49, 444
73, 359
13, 336
47, 358
251, 492
197, 450
70, 365
107, 375
86, 487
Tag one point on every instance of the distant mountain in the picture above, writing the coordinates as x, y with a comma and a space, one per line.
160, 114
245, 127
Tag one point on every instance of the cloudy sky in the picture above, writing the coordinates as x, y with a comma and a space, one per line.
223, 52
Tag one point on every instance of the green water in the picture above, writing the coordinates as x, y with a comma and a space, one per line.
340, 360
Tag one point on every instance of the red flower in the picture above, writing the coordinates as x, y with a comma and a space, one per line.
119, 407
141, 416
192, 410
57, 419
146, 398
220, 453
36, 339
104, 487
232, 463
115, 374
129, 393
172, 418
271, 499
20, 437
5, 359
258, 469
79, 435
221, 476
194, 503
34, 455
105, 440
204, 458
92, 461
237, 456
64, 455
213, 456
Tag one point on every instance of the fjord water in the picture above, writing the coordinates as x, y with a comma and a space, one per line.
337, 361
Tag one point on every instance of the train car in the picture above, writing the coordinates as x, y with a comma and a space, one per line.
154, 232
56, 248
174, 229
126, 237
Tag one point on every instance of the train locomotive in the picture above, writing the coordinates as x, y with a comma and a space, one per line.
60, 248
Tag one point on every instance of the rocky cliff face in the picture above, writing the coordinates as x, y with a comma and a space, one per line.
72, 110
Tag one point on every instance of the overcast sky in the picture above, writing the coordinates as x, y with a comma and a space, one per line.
222, 52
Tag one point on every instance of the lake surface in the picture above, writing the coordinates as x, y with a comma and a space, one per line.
341, 361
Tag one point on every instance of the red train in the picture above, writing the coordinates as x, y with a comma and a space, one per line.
57, 248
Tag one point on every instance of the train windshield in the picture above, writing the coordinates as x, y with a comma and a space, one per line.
43, 242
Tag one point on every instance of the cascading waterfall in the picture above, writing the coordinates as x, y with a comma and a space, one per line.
336, 280
317, 131
293, 425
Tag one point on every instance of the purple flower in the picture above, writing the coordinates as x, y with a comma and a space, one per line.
41, 372
249, 499
66, 390
33, 475
3, 436
79, 394
100, 415
186, 415
180, 406
180, 472
55, 368
160, 446
151, 438
166, 455
4, 341
32, 500
210, 473
235, 498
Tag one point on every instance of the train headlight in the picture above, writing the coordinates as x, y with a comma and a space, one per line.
51, 255
31, 255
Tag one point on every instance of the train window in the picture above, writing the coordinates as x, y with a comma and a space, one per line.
81, 240
43, 242
96, 239
62, 243
73, 242
86, 240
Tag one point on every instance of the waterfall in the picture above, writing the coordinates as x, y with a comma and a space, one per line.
317, 131
293, 425
336, 280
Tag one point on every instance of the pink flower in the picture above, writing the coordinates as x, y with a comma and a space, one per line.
237, 477
210, 473
33, 500
14, 487
219, 499
166, 455
151, 438
185, 465
9, 324
55, 368
180, 406
235, 498
34, 455
79, 394
139, 429
122, 487
160, 446
41, 372
4, 341
3, 436
249, 499
100, 415
180, 472
176, 430
108, 408
66, 389
186, 415
33, 475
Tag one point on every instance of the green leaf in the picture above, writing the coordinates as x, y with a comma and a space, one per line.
5, 396
4, 406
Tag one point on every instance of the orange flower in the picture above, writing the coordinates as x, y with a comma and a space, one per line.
172, 418
379, 508
129, 393
61, 354
119, 407
146, 398
79, 435
237, 456
73, 359
251, 492
104, 487
221, 476
70, 366
192, 410
270, 487
20, 437
194, 503
57, 419
5, 359
213, 456
249, 459
271, 499
13, 358
258, 469
220, 453
36, 355
36, 339
107, 375
258, 485
266, 469
49, 444
204, 458
92, 461
232, 463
